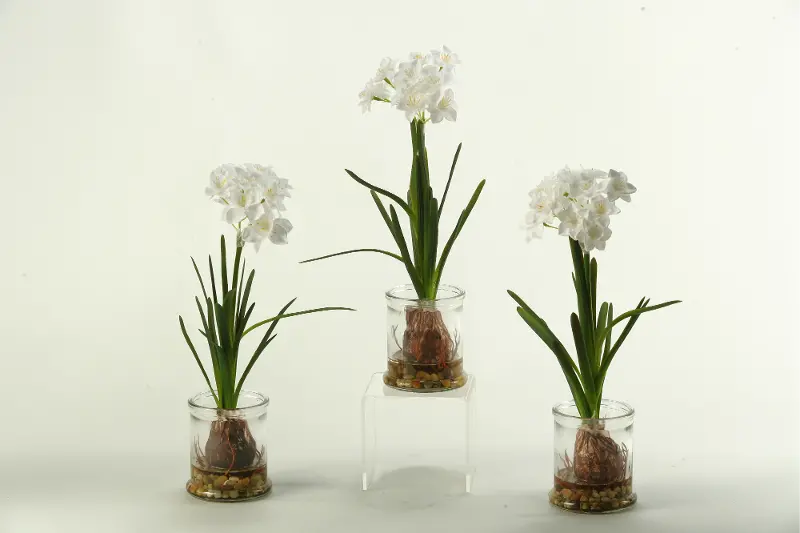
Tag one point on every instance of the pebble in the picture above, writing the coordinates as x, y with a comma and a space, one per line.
220, 481
615, 505
415, 384
217, 494
422, 375
408, 372
566, 493
602, 494
234, 494
446, 383
434, 377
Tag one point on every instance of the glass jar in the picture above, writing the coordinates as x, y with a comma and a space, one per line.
227, 448
593, 458
423, 340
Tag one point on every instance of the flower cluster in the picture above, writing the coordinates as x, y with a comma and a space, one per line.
253, 198
581, 202
419, 86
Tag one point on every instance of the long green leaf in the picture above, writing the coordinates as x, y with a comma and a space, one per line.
383, 192
200, 278
633, 312
459, 225
540, 328
601, 322
449, 179
607, 324
240, 288
249, 366
262, 345
197, 358
601, 375
213, 283
401, 243
297, 313
375, 250
245, 299
585, 364
527, 308
224, 263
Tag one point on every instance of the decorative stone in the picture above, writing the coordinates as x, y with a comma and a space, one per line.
434, 377
218, 482
446, 383
566, 493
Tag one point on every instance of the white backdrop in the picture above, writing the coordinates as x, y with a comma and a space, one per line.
113, 113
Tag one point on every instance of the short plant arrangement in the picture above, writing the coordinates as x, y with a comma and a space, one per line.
579, 205
232, 464
428, 356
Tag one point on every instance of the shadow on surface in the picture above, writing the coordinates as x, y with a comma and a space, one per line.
414, 488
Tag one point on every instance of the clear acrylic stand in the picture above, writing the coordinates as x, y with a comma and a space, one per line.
417, 438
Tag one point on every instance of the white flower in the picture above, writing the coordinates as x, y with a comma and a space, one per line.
386, 70
571, 222
445, 108
239, 199
418, 86
601, 209
373, 90
221, 179
594, 235
445, 58
618, 186
411, 101
267, 227
582, 201
253, 196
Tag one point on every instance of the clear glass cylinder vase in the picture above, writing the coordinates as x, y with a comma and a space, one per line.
227, 451
424, 340
593, 458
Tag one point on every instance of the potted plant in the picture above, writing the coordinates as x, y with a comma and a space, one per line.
425, 348
598, 433
228, 455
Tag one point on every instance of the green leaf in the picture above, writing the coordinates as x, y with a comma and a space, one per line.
213, 283
585, 364
645, 309
601, 375
268, 336
401, 243
298, 313
459, 225
601, 322
540, 328
224, 266
236, 261
249, 366
607, 324
197, 358
593, 286
384, 252
449, 178
245, 299
240, 284
383, 192
200, 278
527, 308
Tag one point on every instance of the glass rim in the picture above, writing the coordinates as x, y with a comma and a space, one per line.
262, 401
628, 410
458, 293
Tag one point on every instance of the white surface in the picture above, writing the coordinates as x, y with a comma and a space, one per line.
112, 113
406, 435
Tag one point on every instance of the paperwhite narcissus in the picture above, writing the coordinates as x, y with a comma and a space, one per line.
583, 203
418, 86
253, 196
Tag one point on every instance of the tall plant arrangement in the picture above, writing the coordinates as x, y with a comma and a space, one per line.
579, 204
252, 197
420, 87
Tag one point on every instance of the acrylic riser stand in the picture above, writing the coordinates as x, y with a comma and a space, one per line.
417, 439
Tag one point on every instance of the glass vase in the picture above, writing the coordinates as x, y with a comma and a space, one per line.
423, 340
593, 458
228, 449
